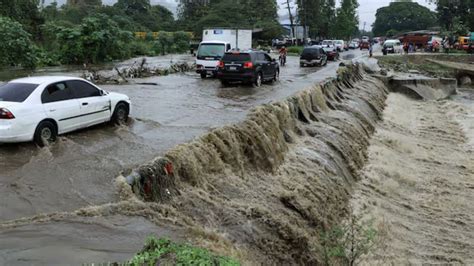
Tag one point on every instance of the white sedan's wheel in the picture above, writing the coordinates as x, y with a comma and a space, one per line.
45, 133
121, 113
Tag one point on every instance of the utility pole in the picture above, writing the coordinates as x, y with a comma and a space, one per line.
292, 25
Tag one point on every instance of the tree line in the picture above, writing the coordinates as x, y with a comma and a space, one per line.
321, 17
452, 17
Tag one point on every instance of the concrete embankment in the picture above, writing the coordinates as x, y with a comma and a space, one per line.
264, 189
423, 88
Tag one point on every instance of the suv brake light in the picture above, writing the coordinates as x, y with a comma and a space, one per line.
248, 65
6, 114
221, 64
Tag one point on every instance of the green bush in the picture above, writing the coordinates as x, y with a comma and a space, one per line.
16, 47
138, 48
181, 41
97, 39
158, 251
295, 50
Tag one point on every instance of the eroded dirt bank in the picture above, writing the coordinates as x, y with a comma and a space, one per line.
418, 184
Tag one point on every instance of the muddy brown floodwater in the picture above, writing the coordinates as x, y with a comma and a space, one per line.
418, 184
79, 170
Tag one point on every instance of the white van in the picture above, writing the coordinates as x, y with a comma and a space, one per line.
393, 46
215, 42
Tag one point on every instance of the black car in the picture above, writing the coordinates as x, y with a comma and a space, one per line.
251, 67
312, 56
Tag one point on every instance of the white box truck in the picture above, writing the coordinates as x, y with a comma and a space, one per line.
215, 42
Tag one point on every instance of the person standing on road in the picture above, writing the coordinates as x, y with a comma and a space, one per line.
370, 50
446, 45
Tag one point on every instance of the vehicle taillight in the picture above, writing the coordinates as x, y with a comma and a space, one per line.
248, 65
6, 114
221, 64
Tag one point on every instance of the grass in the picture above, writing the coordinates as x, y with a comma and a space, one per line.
166, 252
295, 50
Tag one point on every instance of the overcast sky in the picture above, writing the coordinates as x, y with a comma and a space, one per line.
367, 9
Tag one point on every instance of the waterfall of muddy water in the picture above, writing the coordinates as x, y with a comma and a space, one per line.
418, 183
263, 189
268, 185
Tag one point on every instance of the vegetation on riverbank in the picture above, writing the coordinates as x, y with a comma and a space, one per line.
84, 32
165, 252
404, 63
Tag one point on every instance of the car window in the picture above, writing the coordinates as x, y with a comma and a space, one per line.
238, 57
16, 92
82, 89
260, 57
55, 93
267, 58
310, 51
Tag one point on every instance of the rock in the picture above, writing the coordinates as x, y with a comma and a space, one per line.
465, 81
383, 72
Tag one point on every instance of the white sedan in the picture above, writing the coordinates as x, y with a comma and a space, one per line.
40, 108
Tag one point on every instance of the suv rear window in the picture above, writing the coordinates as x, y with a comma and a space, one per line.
311, 51
16, 92
236, 57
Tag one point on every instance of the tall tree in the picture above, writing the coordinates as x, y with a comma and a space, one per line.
318, 15
189, 12
134, 6
403, 16
84, 2
24, 11
16, 47
452, 12
346, 20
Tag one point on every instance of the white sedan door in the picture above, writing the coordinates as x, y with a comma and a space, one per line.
95, 108
60, 105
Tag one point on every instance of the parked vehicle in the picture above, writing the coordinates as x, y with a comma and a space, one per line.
251, 67
353, 45
339, 45
312, 56
462, 43
327, 43
392, 47
215, 42
41, 108
331, 53
364, 45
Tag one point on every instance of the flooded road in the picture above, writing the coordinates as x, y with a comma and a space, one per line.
79, 170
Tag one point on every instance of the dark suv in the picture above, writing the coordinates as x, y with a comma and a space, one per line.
312, 56
252, 67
